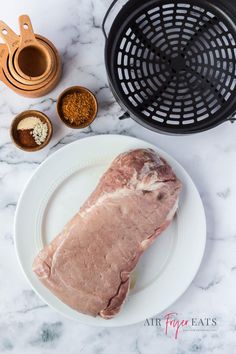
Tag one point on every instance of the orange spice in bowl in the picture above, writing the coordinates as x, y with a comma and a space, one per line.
77, 107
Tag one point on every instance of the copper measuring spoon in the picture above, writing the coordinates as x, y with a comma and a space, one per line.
13, 42
31, 85
32, 60
26, 90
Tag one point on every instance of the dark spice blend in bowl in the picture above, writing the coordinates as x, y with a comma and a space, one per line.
31, 130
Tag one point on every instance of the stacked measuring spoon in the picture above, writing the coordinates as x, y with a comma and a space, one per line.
29, 64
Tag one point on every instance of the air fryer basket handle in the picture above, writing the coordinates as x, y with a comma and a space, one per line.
106, 16
232, 119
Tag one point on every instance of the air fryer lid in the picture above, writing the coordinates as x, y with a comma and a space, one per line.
172, 64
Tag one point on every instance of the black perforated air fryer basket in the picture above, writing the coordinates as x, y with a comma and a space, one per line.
172, 64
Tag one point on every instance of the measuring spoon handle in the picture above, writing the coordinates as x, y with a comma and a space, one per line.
3, 60
9, 37
3, 50
27, 36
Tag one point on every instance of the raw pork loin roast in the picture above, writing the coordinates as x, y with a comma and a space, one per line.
88, 264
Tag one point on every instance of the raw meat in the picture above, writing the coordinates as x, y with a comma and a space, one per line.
88, 264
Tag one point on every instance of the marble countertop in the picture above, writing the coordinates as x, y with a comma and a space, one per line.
29, 326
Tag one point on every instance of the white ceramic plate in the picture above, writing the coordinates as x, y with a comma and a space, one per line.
55, 193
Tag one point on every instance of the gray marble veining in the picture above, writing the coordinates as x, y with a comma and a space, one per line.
27, 325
